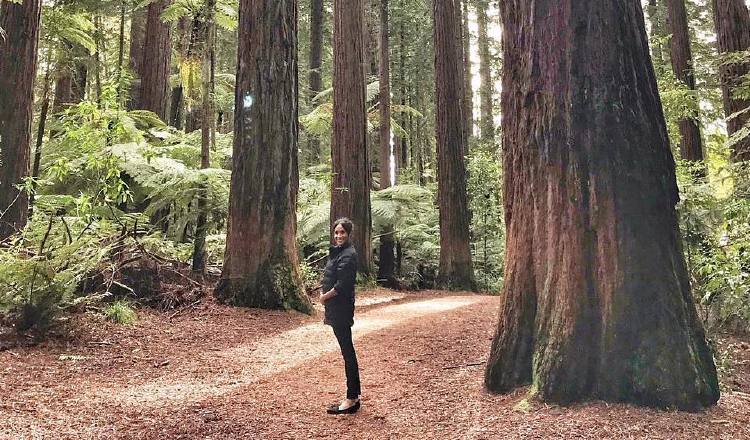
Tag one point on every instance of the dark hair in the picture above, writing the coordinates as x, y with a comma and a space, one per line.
345, 223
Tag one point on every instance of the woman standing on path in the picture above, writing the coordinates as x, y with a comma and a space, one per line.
338, 298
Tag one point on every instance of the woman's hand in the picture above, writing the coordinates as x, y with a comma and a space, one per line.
326, 296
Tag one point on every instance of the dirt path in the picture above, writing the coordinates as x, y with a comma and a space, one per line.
220, 373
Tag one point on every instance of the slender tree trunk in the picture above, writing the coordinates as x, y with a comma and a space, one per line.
387, 262
403, 147
18, 59
261, 264
157, 55
485, 74
80, 78
597, 300
315, 77
732, 23
657, 16
97, 59
350, 191
468, 92
207, 133
137, 40
40, 134
455, 255
121, 51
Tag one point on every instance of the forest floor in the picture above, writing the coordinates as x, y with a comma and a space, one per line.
215, 372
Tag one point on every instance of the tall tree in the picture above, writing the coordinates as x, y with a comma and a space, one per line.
315, 76
387, 263
657, 17
597, 301
691, 147
468, 92
261, 262
207, 134
137, 37
487, 124
455, 254
157, 56
18, 59
732, 23
350, 186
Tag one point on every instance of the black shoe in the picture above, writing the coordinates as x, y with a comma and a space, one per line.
334, 409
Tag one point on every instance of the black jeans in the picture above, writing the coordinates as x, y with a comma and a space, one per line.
344, 336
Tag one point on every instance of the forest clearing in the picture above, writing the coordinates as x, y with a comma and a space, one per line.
261, 374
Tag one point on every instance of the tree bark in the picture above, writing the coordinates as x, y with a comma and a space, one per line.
157, 56
732, 23
18, 59
691, 147
315, 77
468, 92
597, 301
261, 260
387, 264
455, 255
485, 74
350, 190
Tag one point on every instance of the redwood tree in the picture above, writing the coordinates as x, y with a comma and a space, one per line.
455, 254
350, 189
261, 262
387, 264
487, 125
691, 147
468, 92
157, 57
732, 23
18, 58
315, 76
137, 37
597, 301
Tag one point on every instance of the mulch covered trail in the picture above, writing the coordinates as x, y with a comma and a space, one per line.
213, 372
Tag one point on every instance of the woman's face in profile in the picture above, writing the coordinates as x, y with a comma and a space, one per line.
340, 236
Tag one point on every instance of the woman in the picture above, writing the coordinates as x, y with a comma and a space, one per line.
338, 298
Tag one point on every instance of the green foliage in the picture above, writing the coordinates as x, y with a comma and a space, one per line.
716, 232
120, 312
487, 226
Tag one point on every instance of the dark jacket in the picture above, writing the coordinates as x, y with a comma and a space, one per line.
341, 274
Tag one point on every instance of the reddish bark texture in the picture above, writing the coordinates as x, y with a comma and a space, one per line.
597, 301
157, 57
350, 191
386, 262
691, 147
732, 23
261, 262
468, 92
18, 58
455, 255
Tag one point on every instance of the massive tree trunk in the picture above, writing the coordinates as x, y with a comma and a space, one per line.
732, 23
18, 57
597, 301
387, 264
455, 254
157, 56
487, 124
261, 259
350, 190
682, 65
315, 76
137, 40
468, 92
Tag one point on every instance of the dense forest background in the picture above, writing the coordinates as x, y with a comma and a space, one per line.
130, 150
